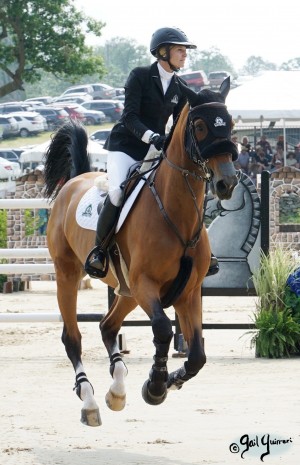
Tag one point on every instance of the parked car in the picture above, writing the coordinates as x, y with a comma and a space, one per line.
74, 98
46, 100
30, 123
73, 110
120, 97
55, 116
9, 169
103, 91
83, 89
15, 106
196, 80
112, 108
217, 77
9, 155
100, 136
92, 117
9, 126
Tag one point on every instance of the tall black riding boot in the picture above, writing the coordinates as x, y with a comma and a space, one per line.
213, 266
96, 263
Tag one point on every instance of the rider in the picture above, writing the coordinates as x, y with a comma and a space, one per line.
152, 94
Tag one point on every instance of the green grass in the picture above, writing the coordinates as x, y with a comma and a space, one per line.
17, 142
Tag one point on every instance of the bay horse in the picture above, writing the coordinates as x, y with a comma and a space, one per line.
163, 243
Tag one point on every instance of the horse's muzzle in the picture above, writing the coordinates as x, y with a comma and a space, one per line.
224, 188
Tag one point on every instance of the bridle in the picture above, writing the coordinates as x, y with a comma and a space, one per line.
219, 123
199, 153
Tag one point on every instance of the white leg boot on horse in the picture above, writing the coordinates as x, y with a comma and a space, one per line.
116, 396
90, 414
110, 326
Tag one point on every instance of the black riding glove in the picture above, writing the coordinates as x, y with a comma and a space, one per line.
157, 140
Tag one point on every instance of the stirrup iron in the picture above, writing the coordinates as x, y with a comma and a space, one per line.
102, 256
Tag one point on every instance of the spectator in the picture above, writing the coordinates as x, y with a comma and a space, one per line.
277, 159
243, 160
291, 160
245, 143
297, 153
266, 146
234, 139
260, 161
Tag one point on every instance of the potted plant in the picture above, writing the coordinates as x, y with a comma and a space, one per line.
277, 315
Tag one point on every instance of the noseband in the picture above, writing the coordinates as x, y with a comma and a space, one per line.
218, 140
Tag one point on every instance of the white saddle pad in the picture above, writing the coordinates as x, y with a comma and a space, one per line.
87, 214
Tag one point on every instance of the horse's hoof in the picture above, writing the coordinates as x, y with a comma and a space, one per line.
115, 402
90, 417
149, 398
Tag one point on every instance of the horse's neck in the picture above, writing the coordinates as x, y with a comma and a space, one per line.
181, 193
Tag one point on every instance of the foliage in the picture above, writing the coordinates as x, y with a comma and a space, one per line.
3, 229
256, 64
277, 317
120, 56
45, 35
278, 334
289, 218
31, 222
291, 65
270, 278
3, 279
209, 60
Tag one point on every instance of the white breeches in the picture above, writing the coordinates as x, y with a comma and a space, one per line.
118, 164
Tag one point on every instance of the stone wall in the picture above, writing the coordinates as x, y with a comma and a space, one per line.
29, 186
283, 182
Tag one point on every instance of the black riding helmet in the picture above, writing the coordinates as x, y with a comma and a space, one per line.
165, 37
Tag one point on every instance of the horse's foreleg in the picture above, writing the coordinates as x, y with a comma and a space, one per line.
110, 326
154, 390
67, 286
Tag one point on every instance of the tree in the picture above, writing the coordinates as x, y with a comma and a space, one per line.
255, 64
120, 56
45, 35
209, 60
291, 65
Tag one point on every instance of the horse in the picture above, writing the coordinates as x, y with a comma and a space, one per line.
163, 243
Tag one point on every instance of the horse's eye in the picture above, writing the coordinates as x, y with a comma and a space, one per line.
200, 129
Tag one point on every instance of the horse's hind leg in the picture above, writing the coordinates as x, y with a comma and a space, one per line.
110, 326
190, 319
68, 275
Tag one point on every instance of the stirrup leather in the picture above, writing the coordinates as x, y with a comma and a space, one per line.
102, 255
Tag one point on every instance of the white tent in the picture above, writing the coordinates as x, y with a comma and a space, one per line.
98, 155
272, 96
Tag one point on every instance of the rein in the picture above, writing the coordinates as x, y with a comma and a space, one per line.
185, 173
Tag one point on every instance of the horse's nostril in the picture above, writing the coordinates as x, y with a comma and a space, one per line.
222, 188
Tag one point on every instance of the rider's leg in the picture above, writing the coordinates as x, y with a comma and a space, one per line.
118, 164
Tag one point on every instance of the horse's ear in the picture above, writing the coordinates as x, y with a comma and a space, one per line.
225, 87
190, 94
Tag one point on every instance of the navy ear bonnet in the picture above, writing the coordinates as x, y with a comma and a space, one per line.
217, 118
219, 124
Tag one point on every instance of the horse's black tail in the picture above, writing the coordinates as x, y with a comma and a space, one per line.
66, 157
